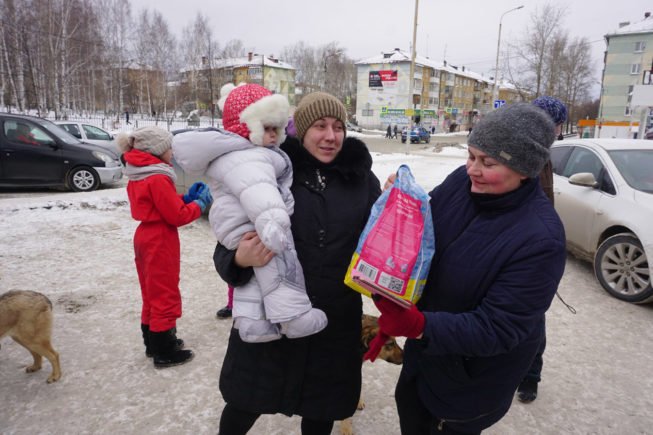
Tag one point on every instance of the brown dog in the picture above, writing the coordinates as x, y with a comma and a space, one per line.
26, 317
391, 352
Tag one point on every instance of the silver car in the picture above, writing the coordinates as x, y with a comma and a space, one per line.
90, 134
604, 196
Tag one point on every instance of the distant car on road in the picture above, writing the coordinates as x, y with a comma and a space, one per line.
417, 135
352, 127
35, 152
90, 134
604, 195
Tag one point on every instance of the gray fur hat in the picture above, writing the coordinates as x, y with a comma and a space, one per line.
153, 140
518, 135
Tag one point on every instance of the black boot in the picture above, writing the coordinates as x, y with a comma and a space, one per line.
527, 391
223, 313
179, 343
166, 353
145, 329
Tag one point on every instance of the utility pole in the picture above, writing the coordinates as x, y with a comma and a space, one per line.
411, 97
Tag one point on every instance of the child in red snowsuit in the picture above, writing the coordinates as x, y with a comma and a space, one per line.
155, 203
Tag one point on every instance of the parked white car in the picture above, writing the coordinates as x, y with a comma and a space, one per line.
351, 127
90, 134
604, 195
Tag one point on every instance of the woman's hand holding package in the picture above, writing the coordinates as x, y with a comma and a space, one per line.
251, 252
390, 181
397, 321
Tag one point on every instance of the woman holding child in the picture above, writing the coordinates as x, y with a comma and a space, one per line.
317, 377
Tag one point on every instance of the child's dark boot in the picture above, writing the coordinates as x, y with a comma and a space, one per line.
165, 350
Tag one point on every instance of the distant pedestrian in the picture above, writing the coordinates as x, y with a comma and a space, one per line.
388, 132
433, 129
395, 132
127, 117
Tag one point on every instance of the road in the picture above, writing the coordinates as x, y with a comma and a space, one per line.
380, 144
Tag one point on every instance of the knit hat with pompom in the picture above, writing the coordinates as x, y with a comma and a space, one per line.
248, 108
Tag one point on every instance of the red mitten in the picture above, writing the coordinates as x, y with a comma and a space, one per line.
375, 346
398, 321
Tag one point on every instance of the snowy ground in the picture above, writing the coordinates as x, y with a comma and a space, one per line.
77, 249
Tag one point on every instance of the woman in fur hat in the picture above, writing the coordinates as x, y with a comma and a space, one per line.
155, 203
499, 257
316, 377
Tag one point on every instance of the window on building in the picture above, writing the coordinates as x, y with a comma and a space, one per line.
255, 72
640, 46
635, 68
417, 84
368, 112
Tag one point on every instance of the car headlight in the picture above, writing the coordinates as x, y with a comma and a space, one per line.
106, 158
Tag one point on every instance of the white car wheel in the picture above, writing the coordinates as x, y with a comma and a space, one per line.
622, 269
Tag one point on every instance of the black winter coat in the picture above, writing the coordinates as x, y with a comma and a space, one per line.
319, 376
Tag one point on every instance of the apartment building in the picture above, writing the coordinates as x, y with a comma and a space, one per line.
628, 62
443, 94
206, 78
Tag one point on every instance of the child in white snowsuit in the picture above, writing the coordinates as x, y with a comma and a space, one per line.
250, 181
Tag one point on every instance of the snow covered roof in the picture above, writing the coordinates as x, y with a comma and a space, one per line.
644, 26
244, 61
400, 56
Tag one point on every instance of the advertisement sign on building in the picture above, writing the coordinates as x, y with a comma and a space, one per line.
383, 79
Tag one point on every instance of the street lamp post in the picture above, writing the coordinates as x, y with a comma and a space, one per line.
495, 89
335, 53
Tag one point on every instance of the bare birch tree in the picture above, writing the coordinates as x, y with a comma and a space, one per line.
531, 54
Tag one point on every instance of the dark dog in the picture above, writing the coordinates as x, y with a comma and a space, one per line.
26, 317
391, 352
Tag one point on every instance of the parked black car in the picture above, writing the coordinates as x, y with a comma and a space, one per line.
36, 152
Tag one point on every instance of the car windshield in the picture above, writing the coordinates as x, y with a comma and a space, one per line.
59, 132
635, 166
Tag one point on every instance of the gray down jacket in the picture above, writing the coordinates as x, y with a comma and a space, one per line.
250, 186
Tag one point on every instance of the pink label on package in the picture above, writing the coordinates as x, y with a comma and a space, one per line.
390, 249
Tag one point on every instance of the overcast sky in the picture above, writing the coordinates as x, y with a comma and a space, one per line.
464, 32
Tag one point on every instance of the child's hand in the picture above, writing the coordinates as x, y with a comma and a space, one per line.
194, 191
204, 199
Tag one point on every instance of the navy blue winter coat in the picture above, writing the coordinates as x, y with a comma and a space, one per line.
498, 262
